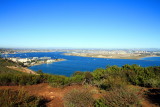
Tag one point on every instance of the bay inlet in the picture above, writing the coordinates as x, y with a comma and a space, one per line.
77, 63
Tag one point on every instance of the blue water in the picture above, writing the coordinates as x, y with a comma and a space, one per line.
151, 58
76, 63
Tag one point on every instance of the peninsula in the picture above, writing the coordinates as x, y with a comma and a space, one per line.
117, 54
26, 62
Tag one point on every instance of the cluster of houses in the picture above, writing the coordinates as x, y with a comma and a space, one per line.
34, 60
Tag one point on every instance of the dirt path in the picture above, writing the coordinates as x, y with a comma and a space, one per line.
22, 69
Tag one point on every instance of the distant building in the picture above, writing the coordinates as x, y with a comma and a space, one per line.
24, 60
35, 58
13, 59
45, 58
50, 61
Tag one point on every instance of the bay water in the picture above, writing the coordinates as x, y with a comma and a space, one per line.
76, 63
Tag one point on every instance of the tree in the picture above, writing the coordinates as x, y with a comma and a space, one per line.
88, 77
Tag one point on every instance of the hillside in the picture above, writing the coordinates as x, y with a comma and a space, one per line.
4, 66
129, 85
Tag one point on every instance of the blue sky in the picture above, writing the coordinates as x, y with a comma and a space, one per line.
80, 23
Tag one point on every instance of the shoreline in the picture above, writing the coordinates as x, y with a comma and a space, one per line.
27, 70
28, 62
47, 63
150, 56
108, 56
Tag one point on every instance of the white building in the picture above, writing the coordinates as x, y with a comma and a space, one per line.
50, 61
24, 60
13, 59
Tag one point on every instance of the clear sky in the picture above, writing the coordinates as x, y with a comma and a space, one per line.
80, 23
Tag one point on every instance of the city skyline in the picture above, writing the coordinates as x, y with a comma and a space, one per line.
79, 23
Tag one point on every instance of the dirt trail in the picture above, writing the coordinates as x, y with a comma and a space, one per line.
22, 69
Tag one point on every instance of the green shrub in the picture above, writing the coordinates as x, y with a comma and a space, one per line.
56, 80
19, 79
143, 76
152, 82
88, 77
110, 77
77, 78
114, 76
99, 74
81, 78
100, 103
78, 98
77, 73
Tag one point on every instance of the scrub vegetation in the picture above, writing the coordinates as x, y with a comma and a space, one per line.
11, 98
113, 82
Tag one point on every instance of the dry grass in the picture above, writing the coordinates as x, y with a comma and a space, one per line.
122, 97
78, 98
11, 98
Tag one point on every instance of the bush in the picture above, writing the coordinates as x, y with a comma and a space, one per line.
78, 98
134, 74
110, 77
152, 82
112, 82
88, 77
56, 80
77, 78
77, 73
119, 97
10, 98
142, 76
19, 79
3, 66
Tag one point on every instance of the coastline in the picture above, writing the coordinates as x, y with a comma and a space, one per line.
150, 56
28, 70
108, 56
47, 63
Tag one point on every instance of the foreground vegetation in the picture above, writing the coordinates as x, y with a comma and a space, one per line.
11, 98
113, 80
